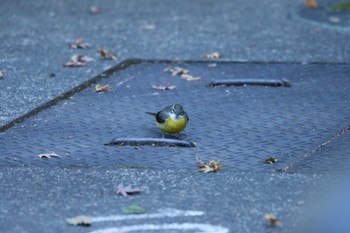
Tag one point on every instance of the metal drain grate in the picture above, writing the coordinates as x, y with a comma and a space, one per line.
241, 126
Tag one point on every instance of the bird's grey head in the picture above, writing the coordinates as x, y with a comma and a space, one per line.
178, 110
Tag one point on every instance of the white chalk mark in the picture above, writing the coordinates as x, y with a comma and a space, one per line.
204, 228
162, 213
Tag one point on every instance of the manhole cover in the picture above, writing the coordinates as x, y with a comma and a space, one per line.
328, 12
239, 125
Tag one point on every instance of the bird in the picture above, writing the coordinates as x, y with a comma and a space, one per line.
171, 119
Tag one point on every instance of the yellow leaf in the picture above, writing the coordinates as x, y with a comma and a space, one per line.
100, 88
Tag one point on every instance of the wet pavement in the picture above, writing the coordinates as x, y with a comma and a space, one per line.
49, 108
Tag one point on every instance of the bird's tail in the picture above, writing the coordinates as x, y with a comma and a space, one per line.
151, 113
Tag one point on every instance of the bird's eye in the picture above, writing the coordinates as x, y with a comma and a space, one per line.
173, 110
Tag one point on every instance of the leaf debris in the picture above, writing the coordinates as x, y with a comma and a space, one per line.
77, 61
272, 220
310, 3
107, 54
188, 77
212, 166
81, 220
176, 70
79, 44
214, 55
163, 88
2, 74
102, 88
127, 190
271, 160
49, 155
134, 209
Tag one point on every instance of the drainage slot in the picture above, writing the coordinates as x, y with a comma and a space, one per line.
254, 82
151, 142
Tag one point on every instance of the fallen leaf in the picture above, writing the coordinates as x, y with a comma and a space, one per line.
134, 209
2, 74
79, 44
214, 55
176, 70
163, 88
49, 155
102, 88
77, 60
107, 54
126, 190
188, 77
311, 3
95, 10
272, 220
212, 166
81, 58
271, 160
81, 220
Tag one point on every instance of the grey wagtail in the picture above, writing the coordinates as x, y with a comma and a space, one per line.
171, 119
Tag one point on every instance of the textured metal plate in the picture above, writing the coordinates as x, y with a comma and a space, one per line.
241, 126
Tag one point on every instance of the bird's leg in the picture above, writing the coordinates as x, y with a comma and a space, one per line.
180, 136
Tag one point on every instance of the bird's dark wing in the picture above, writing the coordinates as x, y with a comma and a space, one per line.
163, 114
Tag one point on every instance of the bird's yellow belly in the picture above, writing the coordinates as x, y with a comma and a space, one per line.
173, 126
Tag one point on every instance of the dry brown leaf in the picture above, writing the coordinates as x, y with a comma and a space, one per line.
311, 3
107, 54
81, 220
102, 88
163, 88
188, 77
176, 70
2, 74
214, 55
79, 44
127, 190
81, 58
212, 166
271, 160
49, 155
272, 220
77, 61
95, 10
